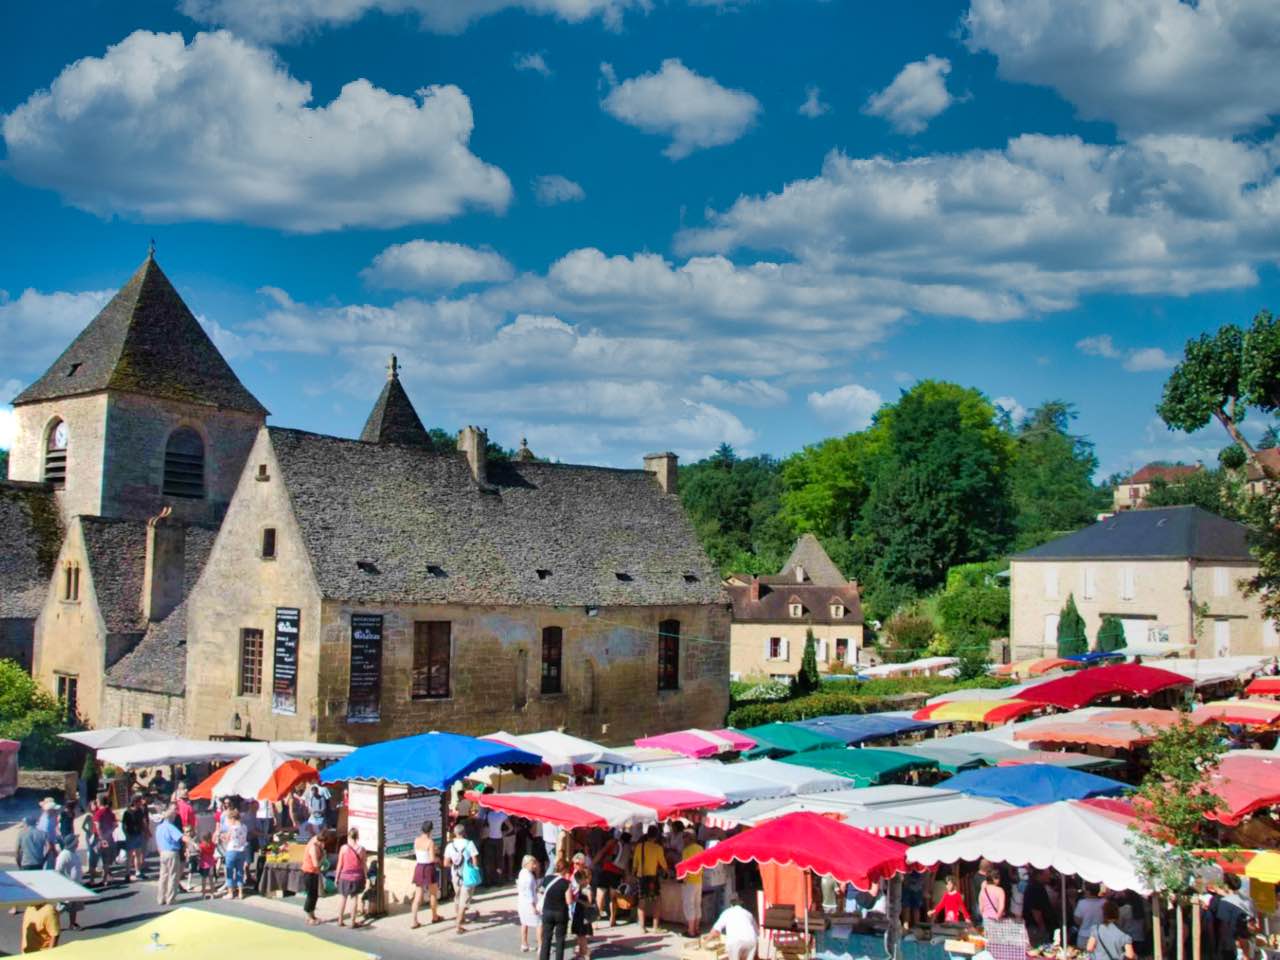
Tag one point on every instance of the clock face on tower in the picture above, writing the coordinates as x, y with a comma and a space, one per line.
58, 440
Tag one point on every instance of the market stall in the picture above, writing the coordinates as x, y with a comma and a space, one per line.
700, 744
263, 774
1263, 687
1248, 713
1096, 683
110, 737
1031, 784
782, 739
865, 766
977, 711
732, 782
562, 752
1247, 781
856, 728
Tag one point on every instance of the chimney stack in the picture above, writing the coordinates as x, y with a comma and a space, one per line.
474, 442
800, 575
755, 589
663, 466
163, 570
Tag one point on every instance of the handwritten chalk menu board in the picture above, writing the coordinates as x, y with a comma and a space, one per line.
284, 673
364, 699
403, 811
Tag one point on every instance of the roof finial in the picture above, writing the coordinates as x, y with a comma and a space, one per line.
151, 249
393, 368
524, 454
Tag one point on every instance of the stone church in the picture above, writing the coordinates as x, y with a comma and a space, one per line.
168, 559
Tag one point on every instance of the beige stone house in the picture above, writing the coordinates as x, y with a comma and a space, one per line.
170, 561
773, 614
1131, 493
1171, 575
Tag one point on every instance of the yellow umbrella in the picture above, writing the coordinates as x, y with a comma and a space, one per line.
1265, 867
977, 711
203, 935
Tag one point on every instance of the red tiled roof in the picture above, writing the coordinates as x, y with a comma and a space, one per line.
1156, 471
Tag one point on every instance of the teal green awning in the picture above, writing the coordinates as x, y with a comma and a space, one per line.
781, 739
867, 766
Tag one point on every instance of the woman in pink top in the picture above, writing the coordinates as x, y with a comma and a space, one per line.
991, 898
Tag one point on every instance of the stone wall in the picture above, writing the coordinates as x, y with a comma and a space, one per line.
70, 634
86, 420
749, 647
138, 429
17, 640
124, 708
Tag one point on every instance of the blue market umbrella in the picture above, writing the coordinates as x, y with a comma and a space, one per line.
433, 761
1031, 784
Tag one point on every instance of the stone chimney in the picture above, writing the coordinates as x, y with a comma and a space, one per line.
663, 466
755, 589
800, 575
163, 571
474, 442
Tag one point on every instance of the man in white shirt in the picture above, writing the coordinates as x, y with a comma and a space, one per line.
491, 847
550, 838
738, 927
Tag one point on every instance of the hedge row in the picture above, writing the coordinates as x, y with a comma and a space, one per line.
868, 696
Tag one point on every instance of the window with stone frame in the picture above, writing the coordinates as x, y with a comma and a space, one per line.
250, 662
71, 582
552, 660
184, 465
68, 696
669, 655
842, 649
55, 454
432, 642
268, 543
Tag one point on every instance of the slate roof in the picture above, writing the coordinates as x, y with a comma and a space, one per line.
117, 554
429, 534
1154, 534
145, 341
158, 664
30, 538
393, 419
818, 567
774, 605
1170, 474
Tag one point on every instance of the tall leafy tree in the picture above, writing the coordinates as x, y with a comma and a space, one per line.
825, 485
1052, 476
734, 505
1111, 635
1072, 639
1217, 491
940, 495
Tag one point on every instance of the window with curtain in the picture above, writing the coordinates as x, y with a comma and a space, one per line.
432, 640
669, 655
552, 657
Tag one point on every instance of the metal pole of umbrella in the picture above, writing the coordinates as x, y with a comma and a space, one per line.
1063, 937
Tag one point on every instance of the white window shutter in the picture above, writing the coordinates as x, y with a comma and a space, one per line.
786, 649
768, 648
822, 651
1126, 583
1220, 582
1090, 583
1051, 582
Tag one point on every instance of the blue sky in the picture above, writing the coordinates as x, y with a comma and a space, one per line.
613, 226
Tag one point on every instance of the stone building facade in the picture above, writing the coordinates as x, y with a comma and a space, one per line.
1171, 575
772, 616
168, 560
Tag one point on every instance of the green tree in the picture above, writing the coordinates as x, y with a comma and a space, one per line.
31, 715
1052, 476
940, 495
734, 505
1173, 803
907, 635
1217, 491
825, 485
1072, 640
807, 680
1111, 635
4, 464
1270, 439
974, 607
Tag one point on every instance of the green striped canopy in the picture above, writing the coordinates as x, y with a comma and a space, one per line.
781, 739
867, 766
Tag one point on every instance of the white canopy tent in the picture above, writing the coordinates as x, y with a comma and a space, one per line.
798, 779
987, 693
560, 751
23, 888
165, 753
922, 667
1069, 836
115, 737
1213, 669
705, 776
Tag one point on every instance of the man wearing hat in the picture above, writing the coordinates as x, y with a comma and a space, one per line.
34, 846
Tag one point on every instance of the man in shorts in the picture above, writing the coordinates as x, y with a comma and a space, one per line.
647, 862
691, 889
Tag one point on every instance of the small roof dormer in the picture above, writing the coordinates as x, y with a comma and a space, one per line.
393, 418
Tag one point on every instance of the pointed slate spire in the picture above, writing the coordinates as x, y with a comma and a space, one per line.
393, 419
145, 341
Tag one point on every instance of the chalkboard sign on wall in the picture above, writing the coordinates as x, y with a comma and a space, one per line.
284, 672
364, 700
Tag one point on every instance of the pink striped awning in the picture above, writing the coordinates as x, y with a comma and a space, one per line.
699, 744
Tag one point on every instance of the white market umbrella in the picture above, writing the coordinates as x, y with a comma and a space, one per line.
165, 753
1070, 836
115, 737
560, 751
306, 750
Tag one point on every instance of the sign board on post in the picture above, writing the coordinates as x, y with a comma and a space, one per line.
404, 810
364, 697
284, 671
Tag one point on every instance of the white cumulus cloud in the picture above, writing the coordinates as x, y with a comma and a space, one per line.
917, 94
35, 327
851, 406
1100, 345
550, 189
694, 111
218, 130
434, 265
1135, 359
813, 106
533, 62
1146, 65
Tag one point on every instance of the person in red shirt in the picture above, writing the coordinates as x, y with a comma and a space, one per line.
104, 835
951, 905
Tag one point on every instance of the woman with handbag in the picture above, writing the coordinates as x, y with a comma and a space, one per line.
464, 858
351, 878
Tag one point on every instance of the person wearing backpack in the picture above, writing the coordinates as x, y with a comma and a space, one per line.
464, 859
556, 894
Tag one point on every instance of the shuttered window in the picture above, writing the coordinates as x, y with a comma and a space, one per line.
184, 465
432, 640
669, 655
552, 659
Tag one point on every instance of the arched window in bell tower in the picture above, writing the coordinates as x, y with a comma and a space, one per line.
55, 453
184, 465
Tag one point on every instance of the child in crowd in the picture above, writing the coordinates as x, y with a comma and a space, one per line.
207, 852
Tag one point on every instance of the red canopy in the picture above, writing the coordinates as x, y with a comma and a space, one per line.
1263, 687
1085, 686
813, 842
1246, 784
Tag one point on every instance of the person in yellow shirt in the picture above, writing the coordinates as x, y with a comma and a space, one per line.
40, 928
691, 892
647, 862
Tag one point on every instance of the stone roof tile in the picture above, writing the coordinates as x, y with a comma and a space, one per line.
30, 537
